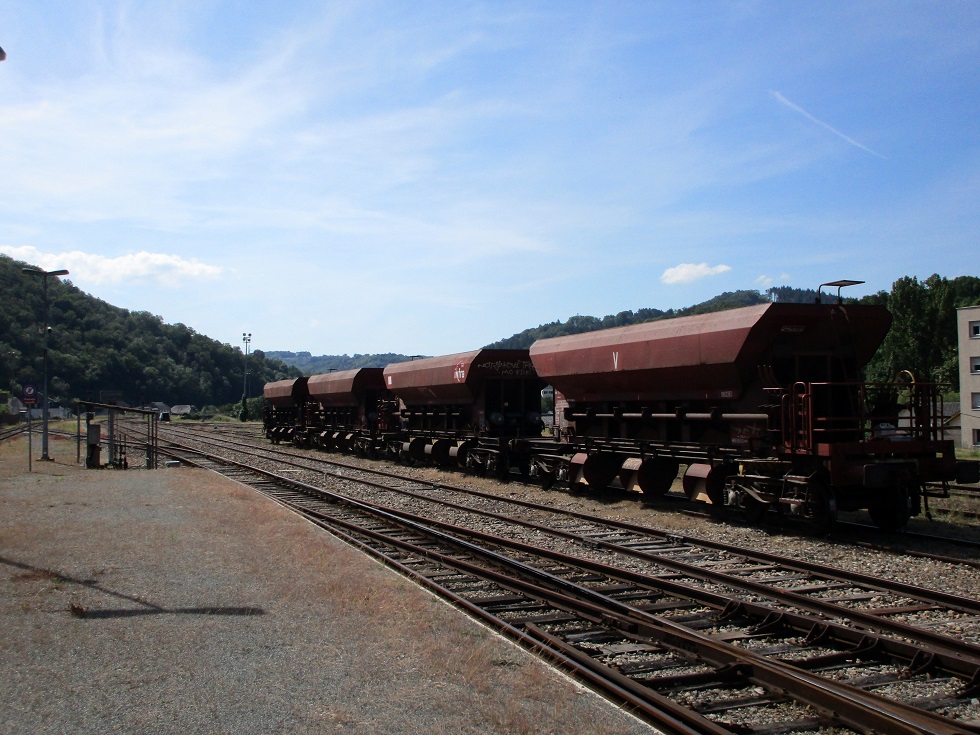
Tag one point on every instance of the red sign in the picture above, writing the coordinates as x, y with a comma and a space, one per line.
459, 373
30, 395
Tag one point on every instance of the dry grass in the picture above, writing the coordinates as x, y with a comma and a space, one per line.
35, 575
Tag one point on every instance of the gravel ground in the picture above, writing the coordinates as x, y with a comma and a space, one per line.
174, 601
836, 550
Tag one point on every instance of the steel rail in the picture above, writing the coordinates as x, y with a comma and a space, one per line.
849, 705
661, 711
633, 527
944, 644
952, 655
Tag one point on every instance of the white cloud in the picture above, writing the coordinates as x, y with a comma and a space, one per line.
766, 281
98, 269
690, 272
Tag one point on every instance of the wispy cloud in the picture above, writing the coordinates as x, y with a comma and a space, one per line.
766, 281
690, 272
98, 269
827, 126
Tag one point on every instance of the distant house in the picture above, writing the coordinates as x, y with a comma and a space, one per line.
182, 409
162, 409
952, 425
35, 413
950, 420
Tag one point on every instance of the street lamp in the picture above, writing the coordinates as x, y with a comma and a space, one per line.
44, 275
247, 339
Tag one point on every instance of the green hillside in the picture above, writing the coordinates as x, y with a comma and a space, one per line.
96, 347
309, 364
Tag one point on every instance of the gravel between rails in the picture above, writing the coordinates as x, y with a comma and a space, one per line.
834, 550
174, 601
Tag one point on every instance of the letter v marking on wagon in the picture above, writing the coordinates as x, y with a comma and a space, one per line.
615, 361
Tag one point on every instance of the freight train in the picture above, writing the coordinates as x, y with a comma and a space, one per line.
761, 409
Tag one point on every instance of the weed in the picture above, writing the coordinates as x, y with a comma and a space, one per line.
35, 575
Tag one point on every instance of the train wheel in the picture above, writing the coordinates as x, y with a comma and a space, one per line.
657, 474
894, 513
525, 469
820, 508
502, 467
755, 510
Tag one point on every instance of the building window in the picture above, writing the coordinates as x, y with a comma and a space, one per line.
974, 330
975, 364
976, 437
975, 401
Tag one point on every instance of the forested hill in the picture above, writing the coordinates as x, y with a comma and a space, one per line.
96, 347
310, 364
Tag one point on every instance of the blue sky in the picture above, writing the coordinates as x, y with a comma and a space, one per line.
428, 177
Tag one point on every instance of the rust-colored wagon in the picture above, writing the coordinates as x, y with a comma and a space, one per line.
472, 408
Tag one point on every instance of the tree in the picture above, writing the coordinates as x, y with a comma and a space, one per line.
922, 338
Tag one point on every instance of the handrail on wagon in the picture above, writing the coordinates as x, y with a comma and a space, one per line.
843, 283
826, 410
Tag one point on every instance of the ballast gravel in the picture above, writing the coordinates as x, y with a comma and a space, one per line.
174, 601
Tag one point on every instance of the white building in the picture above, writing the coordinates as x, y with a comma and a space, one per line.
968, 337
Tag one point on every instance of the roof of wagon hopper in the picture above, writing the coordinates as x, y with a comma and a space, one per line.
289, 392
345, 388
702, 356
454, 379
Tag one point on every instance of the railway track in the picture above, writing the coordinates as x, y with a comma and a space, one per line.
721, 644
952, 549
9, 432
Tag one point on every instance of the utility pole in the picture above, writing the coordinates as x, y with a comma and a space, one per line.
247, 339
44, 275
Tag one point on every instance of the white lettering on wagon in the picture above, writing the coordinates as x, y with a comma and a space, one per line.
615, 361
459, 373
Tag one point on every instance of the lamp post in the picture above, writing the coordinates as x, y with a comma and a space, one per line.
44, 275
247, 339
